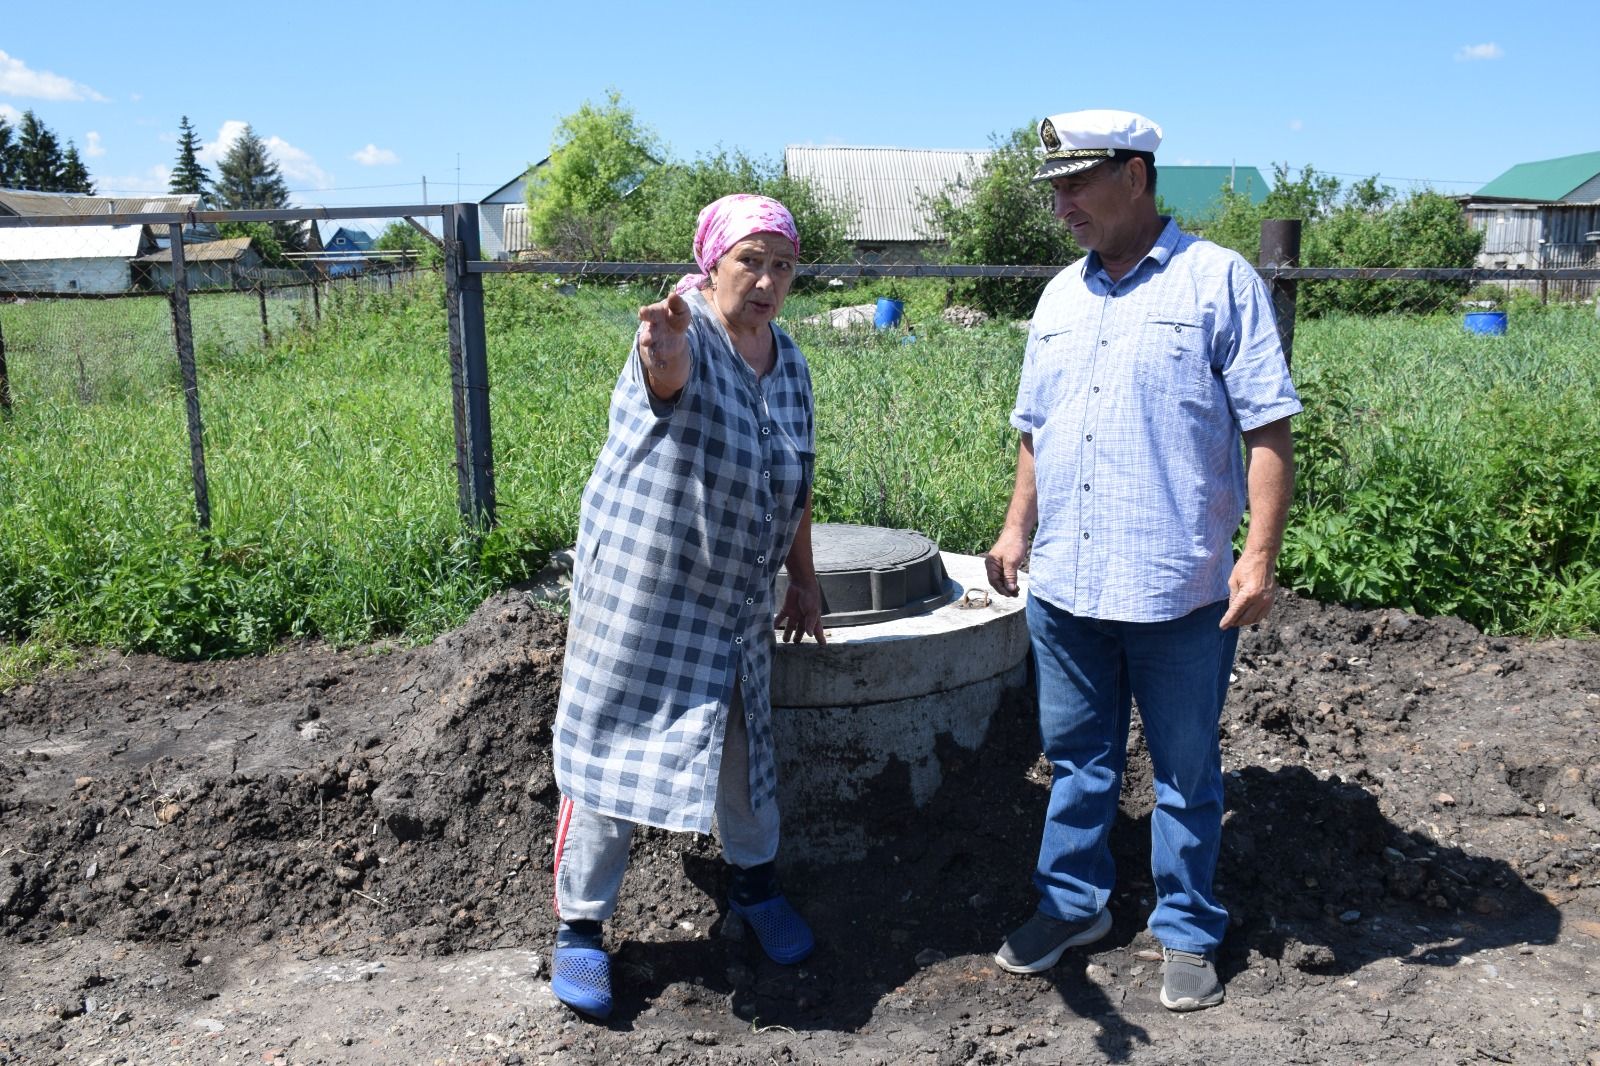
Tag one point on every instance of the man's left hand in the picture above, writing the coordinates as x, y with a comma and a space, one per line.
802, 612
1251, 590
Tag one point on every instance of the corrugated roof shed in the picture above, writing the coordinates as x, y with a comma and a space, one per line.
886, 189
1195, 193
70, 242
33, 204
1546, 180
207, 251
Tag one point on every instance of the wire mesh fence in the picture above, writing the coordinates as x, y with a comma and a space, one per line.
344, 418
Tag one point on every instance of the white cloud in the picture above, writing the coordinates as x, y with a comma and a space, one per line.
10, 114
1296, 125
1471, 52
296, 165
92, 146
18, 79
373, 156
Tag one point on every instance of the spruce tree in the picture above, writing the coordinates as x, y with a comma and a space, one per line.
190, 175
74, 175
247, 178
39, 160
8, 155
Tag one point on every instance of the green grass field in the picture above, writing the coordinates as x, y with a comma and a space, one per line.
1439, 471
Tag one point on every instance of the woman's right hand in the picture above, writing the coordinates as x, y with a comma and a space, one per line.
664, 344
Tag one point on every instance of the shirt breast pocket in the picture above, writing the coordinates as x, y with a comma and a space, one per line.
1175, 358
1062, 370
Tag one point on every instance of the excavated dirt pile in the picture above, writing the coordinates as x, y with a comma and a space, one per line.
344, 856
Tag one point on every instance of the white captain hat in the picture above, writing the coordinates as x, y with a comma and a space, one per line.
1077, 140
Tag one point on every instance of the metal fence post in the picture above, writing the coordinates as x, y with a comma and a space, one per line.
469, 367
5, 380
183, 335
1280, 247
261, 295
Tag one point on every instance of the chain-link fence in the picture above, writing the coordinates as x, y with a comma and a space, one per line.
332, 432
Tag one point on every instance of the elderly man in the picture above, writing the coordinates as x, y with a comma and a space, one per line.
1146, 362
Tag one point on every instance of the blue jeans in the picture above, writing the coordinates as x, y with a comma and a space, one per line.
1089, 673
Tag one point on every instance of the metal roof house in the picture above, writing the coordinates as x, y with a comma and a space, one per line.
71, 259
1194, 193
1540, 214
886, 192
503, 217
344, 251
28, 204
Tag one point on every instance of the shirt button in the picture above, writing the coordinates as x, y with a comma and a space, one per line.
1086, 536
769, 518
1088, 436
744, 677
1085, 489
766, 431
1177, 329
1097, 388
766, 473
761, 558
740, 640
1104, 343
752, 599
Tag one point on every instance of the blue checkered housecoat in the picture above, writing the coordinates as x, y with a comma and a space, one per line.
690, 511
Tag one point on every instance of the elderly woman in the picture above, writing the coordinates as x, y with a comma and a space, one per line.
702, 491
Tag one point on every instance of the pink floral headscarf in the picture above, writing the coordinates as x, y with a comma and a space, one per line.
724, 223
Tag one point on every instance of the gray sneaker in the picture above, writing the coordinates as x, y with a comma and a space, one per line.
1190, 982
1039, 942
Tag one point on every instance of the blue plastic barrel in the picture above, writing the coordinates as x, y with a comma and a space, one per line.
1485, 322
889, 312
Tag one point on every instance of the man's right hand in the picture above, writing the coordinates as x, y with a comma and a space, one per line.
1004, 560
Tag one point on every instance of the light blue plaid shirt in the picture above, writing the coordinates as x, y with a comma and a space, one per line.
1136, 393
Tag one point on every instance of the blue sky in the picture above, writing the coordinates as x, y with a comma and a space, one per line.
360, 102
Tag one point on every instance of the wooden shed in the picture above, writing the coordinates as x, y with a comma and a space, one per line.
221, 264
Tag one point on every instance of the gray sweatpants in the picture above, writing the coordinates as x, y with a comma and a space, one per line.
592, 849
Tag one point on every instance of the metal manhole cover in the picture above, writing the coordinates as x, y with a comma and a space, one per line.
871, 574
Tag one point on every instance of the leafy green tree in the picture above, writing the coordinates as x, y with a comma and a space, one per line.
190, 175
402, 237
39, 160
1309, 197
247, 178
598, 156
660, 221
1003, 217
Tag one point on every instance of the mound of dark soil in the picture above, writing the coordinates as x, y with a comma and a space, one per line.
1398, 788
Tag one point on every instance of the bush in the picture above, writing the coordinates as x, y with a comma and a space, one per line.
1366, 225
660, 222
1005, 218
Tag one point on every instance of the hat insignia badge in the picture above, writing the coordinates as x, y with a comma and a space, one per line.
1047, 135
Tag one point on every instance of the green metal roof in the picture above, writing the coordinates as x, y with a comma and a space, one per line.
1195, 193
1547, 179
